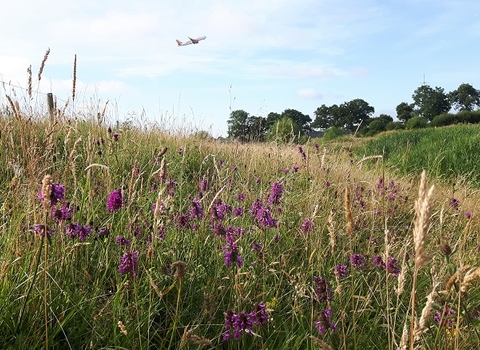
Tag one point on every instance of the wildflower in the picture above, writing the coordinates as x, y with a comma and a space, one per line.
276, 192
57, 193
341, 271
196, 210
327, 184
301, 151
316, 147
378, 262
237, 212
183, 221
219, 210
322, 289
357, 260
231, 253
454, 203
171, 186
122, 241
265, 219
63, 213
392, 266
204, 185
75, 230
258, 180
259, 314
324, 324
115, 200
104, 231
443, 318
308, 226
257, 247
286, 170
161, 233
295, 168
128, 263
237, 323
39, 229
115, 136
180, 151
219, 230
240, 196
468, 214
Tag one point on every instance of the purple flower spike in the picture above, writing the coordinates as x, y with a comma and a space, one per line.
128, 263
308, 226
357, 260
115, 200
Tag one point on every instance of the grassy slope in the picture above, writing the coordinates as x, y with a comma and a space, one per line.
71, 294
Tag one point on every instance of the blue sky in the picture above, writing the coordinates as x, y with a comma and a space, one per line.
259, 56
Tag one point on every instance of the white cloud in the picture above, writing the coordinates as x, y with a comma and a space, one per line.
310, 94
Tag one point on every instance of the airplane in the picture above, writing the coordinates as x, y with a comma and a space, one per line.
191, 41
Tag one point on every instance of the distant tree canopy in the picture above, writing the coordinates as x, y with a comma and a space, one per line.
430, 106
430, 102
465, 98
348, 115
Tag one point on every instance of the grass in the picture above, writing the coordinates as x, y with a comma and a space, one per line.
128, 238
448, 152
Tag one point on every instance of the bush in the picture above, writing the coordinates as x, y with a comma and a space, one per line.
444, 119
416, 122
333, 133
395, 126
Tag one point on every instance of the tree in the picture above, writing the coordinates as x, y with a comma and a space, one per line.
256, 128
404, 111
354, 113
298, 118
284, 130
379, 124
238, 125
430, 102
324, 117
272, 118
465, 98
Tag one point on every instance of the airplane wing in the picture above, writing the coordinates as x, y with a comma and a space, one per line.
195, 41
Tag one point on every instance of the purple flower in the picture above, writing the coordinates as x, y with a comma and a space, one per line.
322, 289
257, 247
327, 184
128, 263
240, 197
286, 170
196, 210
122, 241
295, 168
468, 214
444, 317
392, 266
378, 262
115, 136
300, 150
276, 192
115, 200
265, 219
237, 212
341, 271
63, 213
104, 231
75, 230
180, 151
357, 260
259, 314
39, 229
454, 203
204, 185
56, 195
324, 323
219, 210
231, 253
308, 226
237, 323
316, 146
183, 221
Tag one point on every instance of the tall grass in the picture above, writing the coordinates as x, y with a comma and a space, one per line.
449, 153
132, 238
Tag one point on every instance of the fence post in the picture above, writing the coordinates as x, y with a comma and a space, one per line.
51, 107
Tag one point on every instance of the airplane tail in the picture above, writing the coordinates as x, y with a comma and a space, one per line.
179, 42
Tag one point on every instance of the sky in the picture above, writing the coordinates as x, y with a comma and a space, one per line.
259, 56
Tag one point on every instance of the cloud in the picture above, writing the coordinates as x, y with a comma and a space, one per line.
310, 94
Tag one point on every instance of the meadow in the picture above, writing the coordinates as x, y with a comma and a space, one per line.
119, 237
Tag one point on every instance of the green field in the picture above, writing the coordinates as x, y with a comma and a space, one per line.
120, 238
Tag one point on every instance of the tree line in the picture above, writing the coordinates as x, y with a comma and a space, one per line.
430, 106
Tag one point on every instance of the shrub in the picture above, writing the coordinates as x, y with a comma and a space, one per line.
416, 122
333, 133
